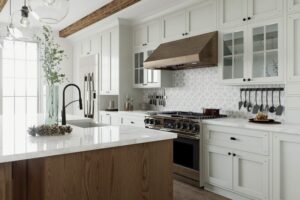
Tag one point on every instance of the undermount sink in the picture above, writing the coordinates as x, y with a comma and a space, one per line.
84, 123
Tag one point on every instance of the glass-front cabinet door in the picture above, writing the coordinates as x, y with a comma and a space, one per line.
145, 78
233, 56
265, 53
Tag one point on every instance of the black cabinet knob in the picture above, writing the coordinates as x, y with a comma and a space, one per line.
249, 79
132, 122
232, 138
244, 19
183, 34
234, 154
249, 18
229, 153
244, 79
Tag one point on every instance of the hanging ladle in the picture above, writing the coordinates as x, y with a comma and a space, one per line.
249, 106
280, 108
256, 106
267, 102
241, 100
261, 109
245, 102
272, 108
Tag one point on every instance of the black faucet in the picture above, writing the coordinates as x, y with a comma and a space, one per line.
63, 111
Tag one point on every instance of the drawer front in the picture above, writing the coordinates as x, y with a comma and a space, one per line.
105, 119
133, 121
253, 141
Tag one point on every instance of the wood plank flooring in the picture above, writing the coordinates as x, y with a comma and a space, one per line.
183, 191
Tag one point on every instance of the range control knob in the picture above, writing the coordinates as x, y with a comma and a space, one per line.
157, 122
178, 125
195, 128
184, 126
151, 121
146, 121
190, 127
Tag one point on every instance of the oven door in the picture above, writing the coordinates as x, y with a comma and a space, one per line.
186, 152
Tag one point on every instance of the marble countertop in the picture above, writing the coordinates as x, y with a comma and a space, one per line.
17, 144
244, 123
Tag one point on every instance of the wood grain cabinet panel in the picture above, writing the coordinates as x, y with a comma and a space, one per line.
134, 172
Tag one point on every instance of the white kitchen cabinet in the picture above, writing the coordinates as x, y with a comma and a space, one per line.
105, 118
293, 37
200, 18
147, 34
109, 118
286, 165
235, 12
109, 67
148, 78
90, 45
237, 160
218, 166
129, 120
293, 6
253, 54
250, 174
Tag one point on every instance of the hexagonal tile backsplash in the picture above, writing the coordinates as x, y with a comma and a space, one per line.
195, 89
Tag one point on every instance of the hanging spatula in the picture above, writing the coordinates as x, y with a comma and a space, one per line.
280, 108
241, 100
256, 106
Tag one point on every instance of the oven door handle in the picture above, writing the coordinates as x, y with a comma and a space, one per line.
192, 137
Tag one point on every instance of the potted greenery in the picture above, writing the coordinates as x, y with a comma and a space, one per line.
51, 55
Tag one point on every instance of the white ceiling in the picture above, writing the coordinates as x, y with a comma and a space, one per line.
81, 8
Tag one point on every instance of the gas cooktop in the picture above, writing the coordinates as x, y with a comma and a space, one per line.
186, 115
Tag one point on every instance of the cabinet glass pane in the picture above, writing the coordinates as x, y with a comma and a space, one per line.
258, 39
141, 76
238, 43
136, 60
258, 65
272, 37
227, 71
136, 76
155, 76
141, 60
272, 64
227, 43
238, 66
150, 76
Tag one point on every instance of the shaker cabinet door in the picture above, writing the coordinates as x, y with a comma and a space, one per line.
286, 165
232, 12
140, 36
114, 66
250, 174
264, 9
174, 26
218, 166
105, 63
293, 5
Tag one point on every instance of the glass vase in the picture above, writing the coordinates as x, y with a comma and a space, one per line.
52, 98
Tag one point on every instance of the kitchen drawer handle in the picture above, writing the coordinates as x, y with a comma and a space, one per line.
107, 114
229, 153
233, 154
232, 138
132, 122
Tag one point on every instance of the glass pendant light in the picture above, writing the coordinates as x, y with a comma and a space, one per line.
49, 11
13, 32
24, 16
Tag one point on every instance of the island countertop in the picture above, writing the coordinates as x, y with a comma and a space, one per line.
17, 144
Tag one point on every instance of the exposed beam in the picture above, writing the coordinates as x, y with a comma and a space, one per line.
99, 14
2, 4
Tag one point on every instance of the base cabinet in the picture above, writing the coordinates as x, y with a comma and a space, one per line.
286, 165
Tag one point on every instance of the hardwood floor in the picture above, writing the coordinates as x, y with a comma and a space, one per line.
183, 191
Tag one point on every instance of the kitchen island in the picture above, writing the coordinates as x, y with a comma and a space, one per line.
107, 162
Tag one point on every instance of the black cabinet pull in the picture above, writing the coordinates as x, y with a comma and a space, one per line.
234, 154
229, 153
249, 79
182, 34
132, 122
244, 19
244, 79
232, 138
249, 18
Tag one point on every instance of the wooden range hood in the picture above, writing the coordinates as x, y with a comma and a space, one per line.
193, 52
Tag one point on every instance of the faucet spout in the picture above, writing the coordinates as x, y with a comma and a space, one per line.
63, 111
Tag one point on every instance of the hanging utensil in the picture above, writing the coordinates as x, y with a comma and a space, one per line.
280, 108
241, 100
272, 108
249, 106
245, 102
256, 106
261, 109
267, 102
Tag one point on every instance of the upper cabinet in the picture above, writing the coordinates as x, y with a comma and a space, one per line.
147, 34
253, 53
293, 5
148, 78
293, 47
189, 22
109, 66
90, 45
237, 12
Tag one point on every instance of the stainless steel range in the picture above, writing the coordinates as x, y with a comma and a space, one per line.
186, 148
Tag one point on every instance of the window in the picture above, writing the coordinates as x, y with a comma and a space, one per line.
19, 77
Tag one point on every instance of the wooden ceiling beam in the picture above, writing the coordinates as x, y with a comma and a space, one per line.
99, 14
2, 4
